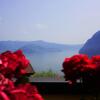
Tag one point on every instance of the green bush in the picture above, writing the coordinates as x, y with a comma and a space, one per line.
48, 73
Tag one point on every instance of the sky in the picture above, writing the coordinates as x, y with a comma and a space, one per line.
60, 21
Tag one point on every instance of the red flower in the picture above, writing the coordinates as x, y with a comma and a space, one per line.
23, 62
13, 63
32, 91
12, 68
18, 94
3, 96
5, 83
96, 60
75, 66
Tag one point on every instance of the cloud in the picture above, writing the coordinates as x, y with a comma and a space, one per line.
41, 26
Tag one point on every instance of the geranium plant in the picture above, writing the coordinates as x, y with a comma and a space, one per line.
81, 67
14, 83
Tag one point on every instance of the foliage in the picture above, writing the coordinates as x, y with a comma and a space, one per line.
48, 73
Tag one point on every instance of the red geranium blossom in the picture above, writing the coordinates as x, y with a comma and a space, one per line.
75, 66
26, 92
12, 67
13, 63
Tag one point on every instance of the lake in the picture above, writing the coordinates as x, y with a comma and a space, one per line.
49, 61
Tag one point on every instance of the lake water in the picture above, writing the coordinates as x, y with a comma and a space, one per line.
46, 61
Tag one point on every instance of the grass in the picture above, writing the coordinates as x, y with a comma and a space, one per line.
46, 74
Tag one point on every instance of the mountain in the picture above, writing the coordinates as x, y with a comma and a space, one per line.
36, 46
11, 45
92, 47
45, 47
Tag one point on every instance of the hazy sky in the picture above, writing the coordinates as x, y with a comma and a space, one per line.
61, 21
